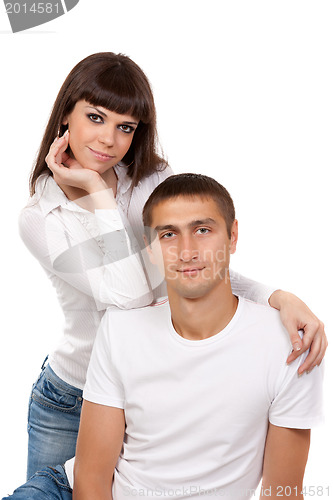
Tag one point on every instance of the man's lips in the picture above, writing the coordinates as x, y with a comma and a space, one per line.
100, 156
190, 270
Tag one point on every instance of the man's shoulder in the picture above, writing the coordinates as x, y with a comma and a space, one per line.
127, 331
261, 311
142, 316
264, 322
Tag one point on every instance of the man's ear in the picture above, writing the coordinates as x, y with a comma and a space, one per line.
149, 249
233, 237
153, 247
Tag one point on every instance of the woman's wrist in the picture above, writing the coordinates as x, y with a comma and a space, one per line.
103, 199
277, 298
98, 184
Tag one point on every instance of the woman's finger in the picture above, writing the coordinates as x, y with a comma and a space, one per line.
315, 356
57, 148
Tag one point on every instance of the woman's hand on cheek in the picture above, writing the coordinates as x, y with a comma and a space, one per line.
68, 172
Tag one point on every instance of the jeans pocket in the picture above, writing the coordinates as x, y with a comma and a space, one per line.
49, 394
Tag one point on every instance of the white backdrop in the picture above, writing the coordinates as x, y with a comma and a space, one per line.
243, 92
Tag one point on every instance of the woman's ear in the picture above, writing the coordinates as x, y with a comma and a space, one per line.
62, 129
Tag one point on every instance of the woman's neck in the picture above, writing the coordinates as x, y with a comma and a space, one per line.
111, 179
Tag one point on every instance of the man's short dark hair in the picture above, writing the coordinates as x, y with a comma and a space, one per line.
191, 185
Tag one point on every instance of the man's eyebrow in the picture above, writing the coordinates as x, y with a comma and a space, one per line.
163, 228
203, 222
200, 222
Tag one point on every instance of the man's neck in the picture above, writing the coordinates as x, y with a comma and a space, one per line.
200, 318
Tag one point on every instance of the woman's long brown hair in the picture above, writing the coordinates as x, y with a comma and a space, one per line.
116, 83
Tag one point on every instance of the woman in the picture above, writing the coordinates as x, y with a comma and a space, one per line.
83, 224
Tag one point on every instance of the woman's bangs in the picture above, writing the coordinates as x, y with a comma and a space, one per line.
120, 97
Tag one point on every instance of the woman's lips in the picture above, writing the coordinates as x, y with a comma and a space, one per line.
101, 156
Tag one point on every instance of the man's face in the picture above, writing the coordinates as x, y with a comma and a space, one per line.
192, 245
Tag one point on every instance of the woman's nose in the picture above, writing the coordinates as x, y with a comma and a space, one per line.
107, 136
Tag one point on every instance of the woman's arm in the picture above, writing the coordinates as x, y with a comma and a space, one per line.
295, 315
112, 273
250, 289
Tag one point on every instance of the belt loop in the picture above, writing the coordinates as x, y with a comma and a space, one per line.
44, 362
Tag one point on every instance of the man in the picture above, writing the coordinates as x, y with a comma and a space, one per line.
194, 397
196, 384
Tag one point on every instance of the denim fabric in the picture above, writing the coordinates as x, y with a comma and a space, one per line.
50, 483
53, 421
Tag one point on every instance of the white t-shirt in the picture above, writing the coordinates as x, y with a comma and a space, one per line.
197, 411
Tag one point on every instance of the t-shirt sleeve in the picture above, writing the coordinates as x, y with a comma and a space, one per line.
298, 403
103, 385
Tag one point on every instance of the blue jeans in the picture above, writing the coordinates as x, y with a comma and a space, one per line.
53, 421
50, 483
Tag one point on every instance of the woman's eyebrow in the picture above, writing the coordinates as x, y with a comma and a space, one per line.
130, 123
98, 110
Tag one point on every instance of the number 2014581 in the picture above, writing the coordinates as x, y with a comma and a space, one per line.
35, 8
311, 491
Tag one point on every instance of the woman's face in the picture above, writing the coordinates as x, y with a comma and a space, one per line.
99, 138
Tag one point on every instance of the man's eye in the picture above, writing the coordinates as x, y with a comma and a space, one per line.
167, 235
203, 230
126, 128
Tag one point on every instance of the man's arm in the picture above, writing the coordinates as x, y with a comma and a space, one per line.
286, 454
98, 447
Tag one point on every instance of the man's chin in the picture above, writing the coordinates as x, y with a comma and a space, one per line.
193, 291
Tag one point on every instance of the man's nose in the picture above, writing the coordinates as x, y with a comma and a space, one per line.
188, 250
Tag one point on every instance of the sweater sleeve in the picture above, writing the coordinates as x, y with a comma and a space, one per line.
250, 289
107, 268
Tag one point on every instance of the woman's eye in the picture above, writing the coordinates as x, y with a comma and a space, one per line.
126, 128
95, 118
